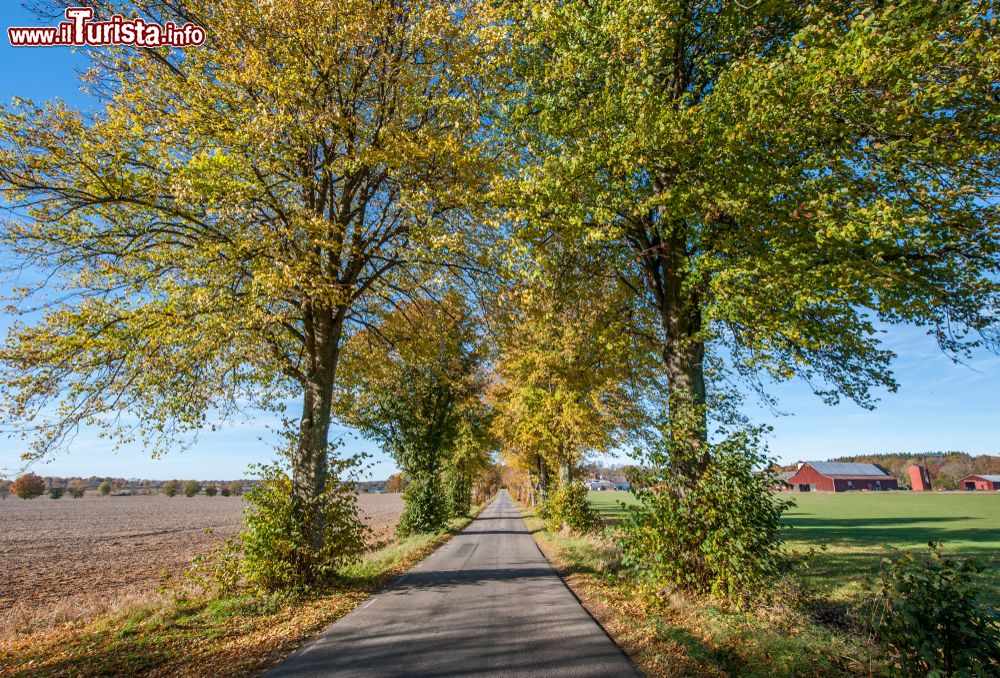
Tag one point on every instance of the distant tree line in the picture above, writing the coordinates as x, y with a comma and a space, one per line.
30, 485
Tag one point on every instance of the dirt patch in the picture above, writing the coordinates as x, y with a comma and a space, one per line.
71, 558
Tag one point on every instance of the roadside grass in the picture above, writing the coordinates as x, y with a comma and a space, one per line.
230, 636
689, 637
842, 537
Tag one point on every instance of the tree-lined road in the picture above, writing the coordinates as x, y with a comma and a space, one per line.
486, 603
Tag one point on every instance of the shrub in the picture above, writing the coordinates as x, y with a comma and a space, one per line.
104, 488
28, 486
927, 609
77, 488
171, 488
211, 490
425, 508
715, 534
225, 491
458, 493
191, 488
568, 507
275, 546
56, 492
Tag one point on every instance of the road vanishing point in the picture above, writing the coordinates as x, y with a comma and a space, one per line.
487, 603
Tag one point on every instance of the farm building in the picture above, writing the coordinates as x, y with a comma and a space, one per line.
920, 479
618, 483
599, 484
835, 476
980, 482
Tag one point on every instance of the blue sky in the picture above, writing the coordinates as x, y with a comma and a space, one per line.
939, 405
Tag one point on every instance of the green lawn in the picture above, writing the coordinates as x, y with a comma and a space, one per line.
855, 528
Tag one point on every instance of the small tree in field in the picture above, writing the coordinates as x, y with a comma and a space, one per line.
4, 488
56, 492
396, 482
104, 488
28, 486
77, 488
191, 488
211, 490
171, 488
235, 488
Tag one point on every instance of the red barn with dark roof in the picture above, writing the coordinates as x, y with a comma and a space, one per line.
835, 476
980, 482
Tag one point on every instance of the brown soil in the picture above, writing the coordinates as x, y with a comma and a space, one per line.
68, 558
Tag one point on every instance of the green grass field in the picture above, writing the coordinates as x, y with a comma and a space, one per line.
856, 527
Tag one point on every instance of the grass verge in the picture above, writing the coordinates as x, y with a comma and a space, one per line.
683, 636
220, 636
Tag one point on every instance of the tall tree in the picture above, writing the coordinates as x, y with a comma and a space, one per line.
215, 231
782, 176
415, 383
567, 378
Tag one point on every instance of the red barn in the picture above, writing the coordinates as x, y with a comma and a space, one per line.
835, 476
979, 482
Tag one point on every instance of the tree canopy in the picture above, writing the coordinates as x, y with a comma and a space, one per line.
776, 176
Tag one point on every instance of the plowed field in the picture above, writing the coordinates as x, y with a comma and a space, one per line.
67, 558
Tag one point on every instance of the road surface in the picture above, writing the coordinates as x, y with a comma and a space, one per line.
487, 603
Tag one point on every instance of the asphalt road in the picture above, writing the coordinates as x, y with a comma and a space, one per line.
487, 603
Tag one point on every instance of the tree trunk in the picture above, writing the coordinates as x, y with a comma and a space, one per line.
543, 478
565, 473
667, 268
310, 468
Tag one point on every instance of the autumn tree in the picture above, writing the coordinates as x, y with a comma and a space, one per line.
775, 179
415, 383
28, 486
217, 229
395, 483
567, 379
77, 488
104, 488
171, 488
192, 488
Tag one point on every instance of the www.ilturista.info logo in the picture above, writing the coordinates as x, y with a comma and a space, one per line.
79, 30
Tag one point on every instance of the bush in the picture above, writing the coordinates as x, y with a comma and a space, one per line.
104, 488
425, 509
191, 488
77, 488
211, 490
171, 488
568, 507
458, 493
276, 554
927, 609
225, 491
715, 534
56, 492
28, 486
